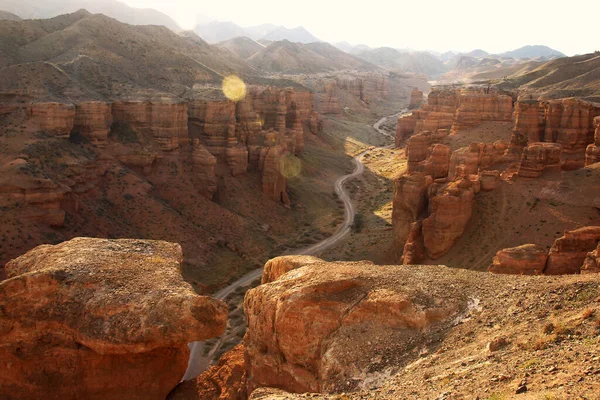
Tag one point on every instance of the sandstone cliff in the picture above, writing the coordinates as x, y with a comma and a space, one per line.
103, 319
567, 122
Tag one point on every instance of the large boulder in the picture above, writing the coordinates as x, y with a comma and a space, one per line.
321, 327
278, 266
99, 319
528, 259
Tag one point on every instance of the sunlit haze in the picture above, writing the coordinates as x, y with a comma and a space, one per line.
438, 25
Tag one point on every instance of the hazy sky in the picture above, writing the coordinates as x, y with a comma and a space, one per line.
568, 26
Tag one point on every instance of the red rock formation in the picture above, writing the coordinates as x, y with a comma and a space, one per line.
303, 331
274, 183
465, 161
570, 251
493, 153
414, 250
204, 168
529, 120
327, 99
54, 118
410, 201
528, 259
417, 150
92, 121
161, 124
103, 319
224, 381
416, 99
406, 127
437, 163
278, 266
40, 198
450, 209
214, 123
489, 179
591, 264
476, 107
569, 122
592, 154
538, 157
439, 111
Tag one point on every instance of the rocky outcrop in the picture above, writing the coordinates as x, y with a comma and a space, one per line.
450, 209
569, 252
204, 168
529, 120
93, 121
327, 99
592, 154
103, 319
437, 163
476, 107
161, 124
278, 266
54, 118
567, 122
410, 201
591, 264
538, 157
489, 179
439, 111
272, 164
406, 127
414, 250
528, 259
40, 198
465, 161
224, 381
320, 327
416, 99
417, 150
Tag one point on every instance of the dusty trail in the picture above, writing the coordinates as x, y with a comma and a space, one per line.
198, 361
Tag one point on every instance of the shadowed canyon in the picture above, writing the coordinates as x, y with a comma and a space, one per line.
249, 212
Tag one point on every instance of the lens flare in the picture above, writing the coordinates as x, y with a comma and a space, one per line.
234, 88
290, 166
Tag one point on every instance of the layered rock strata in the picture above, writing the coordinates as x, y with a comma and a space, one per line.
538, 157
100, 319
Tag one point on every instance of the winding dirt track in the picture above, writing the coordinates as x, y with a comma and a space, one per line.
198, 361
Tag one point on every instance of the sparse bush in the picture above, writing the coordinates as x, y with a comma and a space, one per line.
358, 223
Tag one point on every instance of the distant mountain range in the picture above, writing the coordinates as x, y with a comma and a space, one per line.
266, 46
33, 9
218, 31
